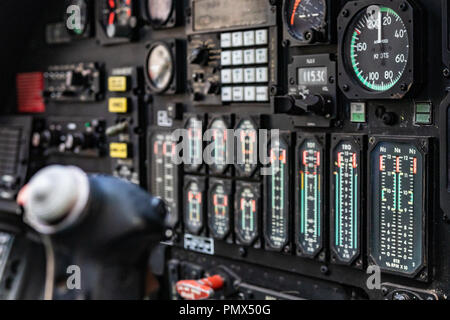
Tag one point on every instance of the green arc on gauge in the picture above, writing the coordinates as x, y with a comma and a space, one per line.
358, 73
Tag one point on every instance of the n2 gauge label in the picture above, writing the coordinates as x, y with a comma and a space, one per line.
346, 184
309, 196
397, 217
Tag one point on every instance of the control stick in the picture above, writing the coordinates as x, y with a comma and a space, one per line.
105, 224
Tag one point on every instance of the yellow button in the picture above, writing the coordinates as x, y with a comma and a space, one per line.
118, 105
118, 150
117, 84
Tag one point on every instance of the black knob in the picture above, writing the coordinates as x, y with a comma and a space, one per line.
199, 56
313, 104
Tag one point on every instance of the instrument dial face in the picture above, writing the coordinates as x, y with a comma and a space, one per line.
247, 148
118, 18
346, 181
397, 207
278, 196
159, 11
310, 180
219, 215
247, 216
194, 158
220, 141
194, 208
305, 16
160, 67
79, 11
165, 181
377, 48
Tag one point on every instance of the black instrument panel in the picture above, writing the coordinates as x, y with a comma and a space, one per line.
362, 142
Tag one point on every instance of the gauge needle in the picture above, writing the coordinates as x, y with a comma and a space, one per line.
379, 26
296, 4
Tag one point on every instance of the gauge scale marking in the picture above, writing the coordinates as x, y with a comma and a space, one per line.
247, 221
397, 208
346, 168
219, 214
165, 175
309, 236
378, 48
277, 183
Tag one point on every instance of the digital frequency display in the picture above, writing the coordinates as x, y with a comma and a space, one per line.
277, 199
193, 218
310, 195
165, 175
397, 231
219, 210
346, 199
246, 214
247, 148
313, 76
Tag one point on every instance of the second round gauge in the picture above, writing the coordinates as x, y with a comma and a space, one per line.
305, 19
160, 67
159, 11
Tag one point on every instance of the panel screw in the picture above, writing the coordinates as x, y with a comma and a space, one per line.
242, 252
403, 87
345, 13
384, 291
403, 6
345, 87
324, 269
446, 72
286, 43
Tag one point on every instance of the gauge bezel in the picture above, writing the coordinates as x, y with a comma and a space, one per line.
228, 188
195, 168
202, 184
102, 36
322, 142
285, 248
422, 144
256, 189
171, 20
358, 143
172, 47
348, 83
227, 119
326, 33
239, 171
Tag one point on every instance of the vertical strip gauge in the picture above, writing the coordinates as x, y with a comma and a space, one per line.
246, 147
247, 208
219, 208
346, 203
194, 199
164, 175
310, 189
397, 218
219, 140
276, 222
194, 146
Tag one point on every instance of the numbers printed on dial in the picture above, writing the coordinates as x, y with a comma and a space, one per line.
397, 207
310, 192
377, 48
346, 182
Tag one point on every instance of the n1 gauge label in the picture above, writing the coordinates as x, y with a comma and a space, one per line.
397, 230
